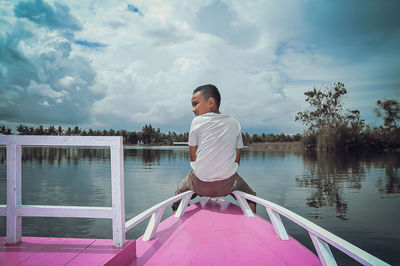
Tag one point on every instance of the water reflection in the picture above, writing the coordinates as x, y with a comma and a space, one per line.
153, 155
72, 155
62, 176
56, 155
328, 174
262, 154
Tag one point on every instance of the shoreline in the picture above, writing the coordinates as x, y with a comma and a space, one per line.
280, 146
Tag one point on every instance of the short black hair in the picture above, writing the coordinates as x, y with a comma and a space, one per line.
208, 91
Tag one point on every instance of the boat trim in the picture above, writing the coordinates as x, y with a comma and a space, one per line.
320, 237
156, 213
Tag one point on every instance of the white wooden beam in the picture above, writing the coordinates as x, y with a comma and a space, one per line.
277, 223
64, 211
87, 141
182, 206
141, 216
14, 222
243, 204
153, 224
324, 252
118, 194
3, 210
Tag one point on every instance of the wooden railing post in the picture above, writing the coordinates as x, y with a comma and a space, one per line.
153, 224
118, 196
277, 224
183, 205
14, 222
243, 205
324, 252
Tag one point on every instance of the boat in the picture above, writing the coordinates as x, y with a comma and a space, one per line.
212, 231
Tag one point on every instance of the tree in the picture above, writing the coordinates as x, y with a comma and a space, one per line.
5, 131
132, 137
22, 129
148, 134
77, 131
326, 108
391, 108
51, 131
39, 131
68, 132
327, 122
59, 131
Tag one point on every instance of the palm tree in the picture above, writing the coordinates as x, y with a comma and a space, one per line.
21, 129
59, 131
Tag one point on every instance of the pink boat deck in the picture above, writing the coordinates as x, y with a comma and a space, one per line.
65, 251
210, 233
217, 233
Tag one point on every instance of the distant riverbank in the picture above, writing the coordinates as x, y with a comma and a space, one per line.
284, 146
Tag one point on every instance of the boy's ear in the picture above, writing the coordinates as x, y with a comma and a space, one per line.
211, 101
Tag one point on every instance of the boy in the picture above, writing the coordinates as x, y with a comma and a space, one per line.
215, 141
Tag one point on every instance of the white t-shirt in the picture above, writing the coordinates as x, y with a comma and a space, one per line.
217, 137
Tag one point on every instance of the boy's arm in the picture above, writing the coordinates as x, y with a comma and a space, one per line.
238, 156
192, 152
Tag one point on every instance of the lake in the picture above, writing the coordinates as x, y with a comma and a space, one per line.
354, 195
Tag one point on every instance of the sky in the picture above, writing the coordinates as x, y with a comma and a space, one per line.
123, 64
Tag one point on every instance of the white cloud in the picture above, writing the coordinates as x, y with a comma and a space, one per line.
44, 103
45, 90
66, 81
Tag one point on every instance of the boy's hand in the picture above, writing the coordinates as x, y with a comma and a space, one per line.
238, 156
192, 153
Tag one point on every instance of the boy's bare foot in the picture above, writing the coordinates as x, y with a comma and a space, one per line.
252, 206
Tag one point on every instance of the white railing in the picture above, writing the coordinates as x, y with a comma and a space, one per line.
14, 210
157, 212
320, 237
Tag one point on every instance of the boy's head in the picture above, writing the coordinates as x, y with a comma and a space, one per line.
206, 99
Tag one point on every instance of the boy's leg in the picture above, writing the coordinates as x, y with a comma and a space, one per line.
241, 185
184, 186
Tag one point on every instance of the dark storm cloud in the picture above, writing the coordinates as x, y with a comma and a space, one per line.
40, 81
354, 28
43, 14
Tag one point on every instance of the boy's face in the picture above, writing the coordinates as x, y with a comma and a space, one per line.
200, 104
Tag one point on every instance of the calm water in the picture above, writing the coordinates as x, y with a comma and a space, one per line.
355, 195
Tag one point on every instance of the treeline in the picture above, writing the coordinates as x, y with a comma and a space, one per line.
148, 135
330, 127
255, 138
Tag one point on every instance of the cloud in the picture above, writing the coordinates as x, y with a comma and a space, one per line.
220, 20
53, 16
42, 81
109, 65
45, 90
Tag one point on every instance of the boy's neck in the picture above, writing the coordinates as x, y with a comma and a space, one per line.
215, 111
